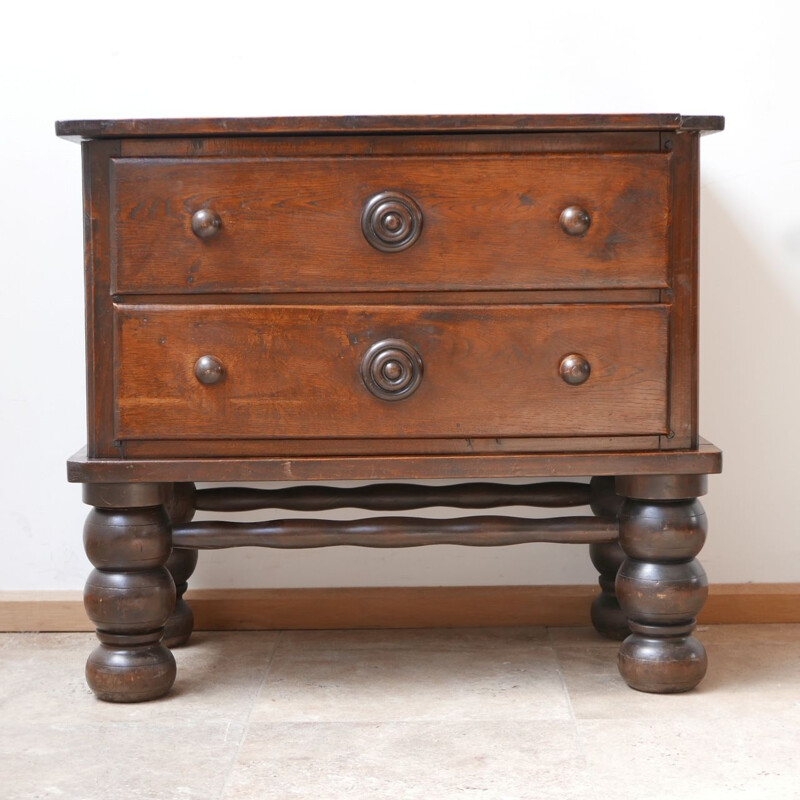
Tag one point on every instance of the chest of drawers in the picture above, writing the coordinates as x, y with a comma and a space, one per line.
392, 298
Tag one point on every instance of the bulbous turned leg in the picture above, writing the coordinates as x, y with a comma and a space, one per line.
181, 564
607, 616
660, 585
130, 593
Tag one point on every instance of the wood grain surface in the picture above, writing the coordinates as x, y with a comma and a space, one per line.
382, 144
294, 224
343, 125
470, 445
294, 371
707, 459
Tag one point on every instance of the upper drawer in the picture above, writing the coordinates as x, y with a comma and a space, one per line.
477, 222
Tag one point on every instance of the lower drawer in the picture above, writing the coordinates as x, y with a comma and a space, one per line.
222, 372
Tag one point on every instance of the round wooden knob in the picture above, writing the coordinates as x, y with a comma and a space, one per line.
206, 223
575, 220
574, 369
209, 370
391, 221
391, 369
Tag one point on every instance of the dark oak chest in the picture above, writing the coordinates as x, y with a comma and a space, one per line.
386, 298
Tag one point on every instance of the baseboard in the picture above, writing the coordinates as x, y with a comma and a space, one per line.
399, 607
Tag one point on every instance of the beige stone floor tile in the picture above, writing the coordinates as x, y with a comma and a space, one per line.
404, 714
383, 685
749, 634
412, 760
671, 759
583, 636
42, 679
106, 761
741, 682
709, 634
415, 639
47, 641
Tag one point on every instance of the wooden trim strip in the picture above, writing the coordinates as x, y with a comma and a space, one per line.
707, 459
97, 188
318, 448
398, 297
400, 607
348, 125
408, 144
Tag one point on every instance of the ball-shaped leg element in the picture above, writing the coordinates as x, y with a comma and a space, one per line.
181, 564
661, 594
608, 618
118, 602
605, 502
180, 502
125, 539
130, 669
180, 624
662, 532
662, 665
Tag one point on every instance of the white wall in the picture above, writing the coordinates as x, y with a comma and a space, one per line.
105, 60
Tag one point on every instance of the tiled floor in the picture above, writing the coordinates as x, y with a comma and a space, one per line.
487, 713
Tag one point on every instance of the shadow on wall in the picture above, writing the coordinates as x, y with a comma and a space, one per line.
749, 391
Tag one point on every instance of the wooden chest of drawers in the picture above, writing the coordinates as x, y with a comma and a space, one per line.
392, 298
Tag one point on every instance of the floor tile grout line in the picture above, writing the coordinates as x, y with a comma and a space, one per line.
256, 695
578, 741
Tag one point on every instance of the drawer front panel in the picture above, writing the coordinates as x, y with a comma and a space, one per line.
483, 222
298, 371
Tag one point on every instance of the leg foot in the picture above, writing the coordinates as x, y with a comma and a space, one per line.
661, 588
181, 564
129, 596
608, 618
663, 665
126, 673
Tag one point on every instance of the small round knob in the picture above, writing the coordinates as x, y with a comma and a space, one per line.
206, 223
391, 221
574, 369
575, 220
209, 370
391, 369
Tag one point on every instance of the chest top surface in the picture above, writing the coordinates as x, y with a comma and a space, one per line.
446, 123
